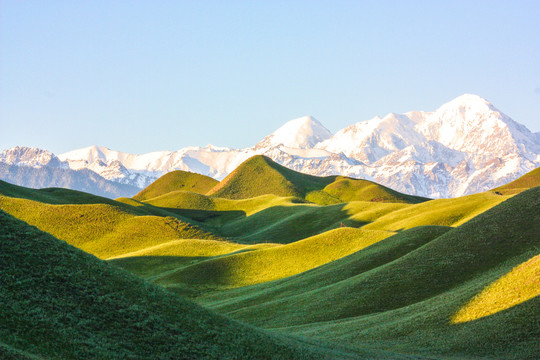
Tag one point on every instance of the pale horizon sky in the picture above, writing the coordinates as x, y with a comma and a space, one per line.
147, 76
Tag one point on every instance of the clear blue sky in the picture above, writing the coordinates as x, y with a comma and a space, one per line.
141, 76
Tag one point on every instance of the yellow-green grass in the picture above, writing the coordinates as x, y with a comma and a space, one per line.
273, 263
406, 303
443, 212
527, 181
259, 175
521, 284
61, 303
177, 180
346, 190
101, 229
52, 195
193, 248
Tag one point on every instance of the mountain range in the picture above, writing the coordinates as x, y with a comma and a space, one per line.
466, 146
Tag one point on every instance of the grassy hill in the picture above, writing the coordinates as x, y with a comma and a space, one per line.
527, 181
103, 229
329, 260
61, 303
410, 298
259, 175
175, 181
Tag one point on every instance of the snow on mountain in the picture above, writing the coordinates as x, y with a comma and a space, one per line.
26, 156
465, 146
302, 133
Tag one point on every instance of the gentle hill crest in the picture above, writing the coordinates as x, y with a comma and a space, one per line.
260, 175
175, 181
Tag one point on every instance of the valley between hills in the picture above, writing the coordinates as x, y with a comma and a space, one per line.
270, 263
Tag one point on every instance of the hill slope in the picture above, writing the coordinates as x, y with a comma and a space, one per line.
177, 180
408, 301
61, 303
260, 175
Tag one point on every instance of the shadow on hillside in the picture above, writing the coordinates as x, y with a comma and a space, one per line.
286, 224
211, 217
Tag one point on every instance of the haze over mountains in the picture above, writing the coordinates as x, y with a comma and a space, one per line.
466, 146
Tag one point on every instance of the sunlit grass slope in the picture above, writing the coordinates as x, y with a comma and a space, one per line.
527, 181
407, 303
273, 263
175, 181
102, 229
443, 212
61, 303
260, 175
521, 284
52, 195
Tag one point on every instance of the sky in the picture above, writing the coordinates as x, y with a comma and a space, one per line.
143, 76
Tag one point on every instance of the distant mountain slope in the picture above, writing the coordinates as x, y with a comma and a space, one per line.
70, 305
466, 146
175, 181
82, 180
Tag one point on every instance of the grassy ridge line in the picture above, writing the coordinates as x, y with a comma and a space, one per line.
101, 229
527, 181
442, 212
177, 180
260, 175
62, 303
193, 248
257, 266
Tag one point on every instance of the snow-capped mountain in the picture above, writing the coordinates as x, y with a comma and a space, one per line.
302, 133
465, 146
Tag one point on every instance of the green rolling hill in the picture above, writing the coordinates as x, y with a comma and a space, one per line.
329, 261
61, 303
175, 181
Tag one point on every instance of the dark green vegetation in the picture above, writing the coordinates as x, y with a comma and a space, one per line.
329, 261
61, 303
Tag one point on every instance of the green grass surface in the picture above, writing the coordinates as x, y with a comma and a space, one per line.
61, 303
101, 229
175, 181
259, 175
406, 300
266, 264
448, 278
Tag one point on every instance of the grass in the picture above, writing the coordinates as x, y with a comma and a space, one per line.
259, 175
405, 301
527, 181
271, 263
521, 284
175, 181
101, 229
59, 302
447, 278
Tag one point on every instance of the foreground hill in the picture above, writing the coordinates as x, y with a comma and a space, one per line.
61, 303
175, 181
260, 175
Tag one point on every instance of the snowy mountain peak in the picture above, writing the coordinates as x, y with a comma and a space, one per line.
301, 133
472, 105
91, 154
27, 156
